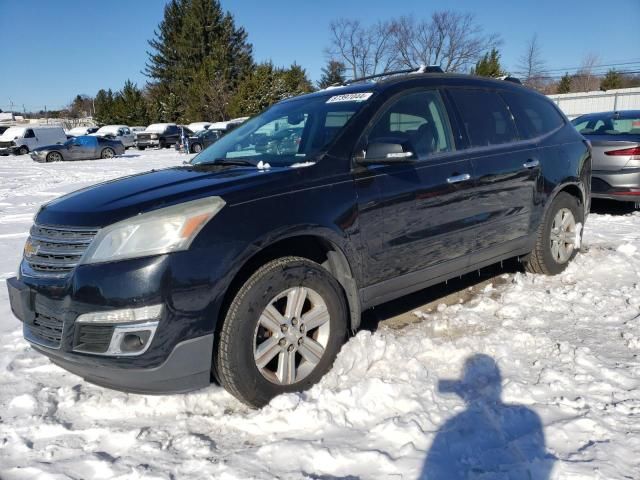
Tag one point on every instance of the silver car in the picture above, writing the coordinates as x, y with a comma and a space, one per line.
615, 142
85, 147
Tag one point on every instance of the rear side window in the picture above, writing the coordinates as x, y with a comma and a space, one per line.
29, 134
535, 116
485, 116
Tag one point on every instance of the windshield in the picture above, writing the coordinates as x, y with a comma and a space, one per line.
608, 125
13, 132
287, 133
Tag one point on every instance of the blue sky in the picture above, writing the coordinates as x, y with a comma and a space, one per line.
52, 50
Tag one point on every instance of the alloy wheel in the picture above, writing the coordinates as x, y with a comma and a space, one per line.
563, 235
291, 336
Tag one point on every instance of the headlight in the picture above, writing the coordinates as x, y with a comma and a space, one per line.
154, 136
165, 230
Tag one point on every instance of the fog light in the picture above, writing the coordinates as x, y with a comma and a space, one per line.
135, 341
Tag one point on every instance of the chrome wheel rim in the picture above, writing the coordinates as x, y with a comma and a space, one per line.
55, 157
563, 235
197, 148
291, 335
108, 153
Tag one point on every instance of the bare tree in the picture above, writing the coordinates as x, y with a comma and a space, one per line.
364, 50
452, 40
532, 66
585, 79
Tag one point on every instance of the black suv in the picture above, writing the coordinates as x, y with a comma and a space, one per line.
252, 265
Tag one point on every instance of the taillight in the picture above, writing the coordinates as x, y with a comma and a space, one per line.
625, 152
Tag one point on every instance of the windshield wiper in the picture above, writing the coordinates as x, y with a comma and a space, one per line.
229, 161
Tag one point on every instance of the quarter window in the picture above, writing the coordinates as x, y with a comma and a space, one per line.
485, 116
535, 116
417, 121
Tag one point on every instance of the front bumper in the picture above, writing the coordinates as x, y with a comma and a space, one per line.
179, 355
8, 150
147, 143
622, 185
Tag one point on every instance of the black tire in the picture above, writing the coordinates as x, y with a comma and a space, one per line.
141, 148
541, 259
196, 148
107, 153
23, 150
54, 157
234, 363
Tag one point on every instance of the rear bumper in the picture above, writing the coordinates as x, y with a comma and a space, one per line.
621, 185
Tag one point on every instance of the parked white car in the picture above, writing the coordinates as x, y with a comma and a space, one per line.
118, 132
22, 140
197, 126
79, 131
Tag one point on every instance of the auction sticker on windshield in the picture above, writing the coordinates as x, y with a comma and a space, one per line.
350, 97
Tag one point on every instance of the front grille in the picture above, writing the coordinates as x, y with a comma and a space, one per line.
93, 338
55, 251
6, 144
144, 136
45, 330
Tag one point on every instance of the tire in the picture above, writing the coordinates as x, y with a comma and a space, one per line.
242, 332
54, 157
545, 258
196, 148
141, 148
23, 150
107, 153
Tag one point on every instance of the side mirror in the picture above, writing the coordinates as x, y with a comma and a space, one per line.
386, 153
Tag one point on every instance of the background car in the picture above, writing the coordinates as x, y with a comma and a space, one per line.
117, 132
615, 143
197, 126
160, 135
77, 131
22, 140
85, 147
202, 139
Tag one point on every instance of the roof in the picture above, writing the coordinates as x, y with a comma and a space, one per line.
621, 113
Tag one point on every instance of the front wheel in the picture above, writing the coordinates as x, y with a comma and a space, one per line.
23, 150
54, 157
282, 331
196, 148
107, 153
559, 236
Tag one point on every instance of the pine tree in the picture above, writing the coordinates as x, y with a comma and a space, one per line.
196, 42
132, 107
564, 85
333, 73
104, 107
611, 80
489, 65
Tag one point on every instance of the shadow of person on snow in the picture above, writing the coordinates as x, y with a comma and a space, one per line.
490, 439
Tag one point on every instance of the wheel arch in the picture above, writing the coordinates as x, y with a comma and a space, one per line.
574, 189
312, 246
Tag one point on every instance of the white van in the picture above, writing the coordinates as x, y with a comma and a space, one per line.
117, 132
22, 140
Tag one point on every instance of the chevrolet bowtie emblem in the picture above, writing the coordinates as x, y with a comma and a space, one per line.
30, 249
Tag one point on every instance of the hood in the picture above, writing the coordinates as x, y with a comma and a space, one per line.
112, 201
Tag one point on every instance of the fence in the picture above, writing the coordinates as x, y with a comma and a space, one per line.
575, 104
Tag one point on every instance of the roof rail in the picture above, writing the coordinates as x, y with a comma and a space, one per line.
420, 69
509, 78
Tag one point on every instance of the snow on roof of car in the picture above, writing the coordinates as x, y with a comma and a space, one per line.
158, 127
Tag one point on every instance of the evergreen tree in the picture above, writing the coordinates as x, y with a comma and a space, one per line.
196, 42
333, 73
265, 86
611, 80
132, 107
104, 107
489, 65
564, 85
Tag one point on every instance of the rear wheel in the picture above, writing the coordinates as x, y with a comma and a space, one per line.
559, 236
282, 331
196, 148
107, 153
54, 157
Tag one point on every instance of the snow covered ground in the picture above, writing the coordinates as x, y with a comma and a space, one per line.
565, 351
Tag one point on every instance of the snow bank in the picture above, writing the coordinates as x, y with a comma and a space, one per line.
537, 376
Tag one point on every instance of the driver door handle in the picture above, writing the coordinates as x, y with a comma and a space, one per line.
531, 164
459, 178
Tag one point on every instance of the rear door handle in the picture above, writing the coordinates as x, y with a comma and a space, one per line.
459, 178
531, 164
